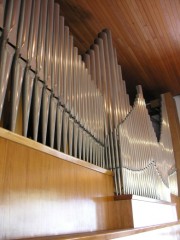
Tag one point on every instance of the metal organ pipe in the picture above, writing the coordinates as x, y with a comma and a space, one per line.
79, 104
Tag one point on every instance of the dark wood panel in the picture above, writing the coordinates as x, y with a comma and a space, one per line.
146, 35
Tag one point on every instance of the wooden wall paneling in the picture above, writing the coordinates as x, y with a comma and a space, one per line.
137, 211
125, 219
41, 194
176, 200
175, 131
161, 231
42, 148
3, 180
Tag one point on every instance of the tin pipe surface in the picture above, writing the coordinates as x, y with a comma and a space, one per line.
52, 119
37, 95
27, 91
18, 68
41, 39
46, 97
55, 51
6, 57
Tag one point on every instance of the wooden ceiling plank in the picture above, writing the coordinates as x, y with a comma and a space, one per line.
161, 40
176, 10
146, 34
152, 67
170, 6
169, 49
129, 55
144, 62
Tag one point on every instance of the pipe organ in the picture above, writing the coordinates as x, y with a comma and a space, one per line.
79, 104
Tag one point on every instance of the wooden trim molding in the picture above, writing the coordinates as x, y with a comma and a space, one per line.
108, 234
140, 198
42, 148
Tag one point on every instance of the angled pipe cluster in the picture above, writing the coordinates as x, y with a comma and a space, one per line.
61, 104
145, 161
79, 104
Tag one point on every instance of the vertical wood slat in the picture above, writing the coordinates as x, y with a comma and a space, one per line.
175, 131
49, 195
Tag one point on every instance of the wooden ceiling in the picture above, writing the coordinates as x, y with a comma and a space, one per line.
146, 34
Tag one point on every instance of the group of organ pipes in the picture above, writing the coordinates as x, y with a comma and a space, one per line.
78, 104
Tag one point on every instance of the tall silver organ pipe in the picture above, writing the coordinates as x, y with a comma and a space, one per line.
19, 65
29, 84
79, 104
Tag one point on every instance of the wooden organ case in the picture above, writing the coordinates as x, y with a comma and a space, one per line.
75, 155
